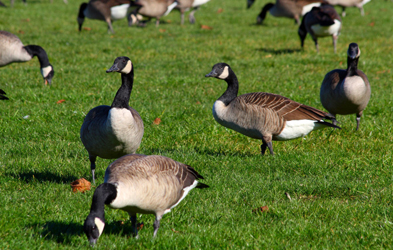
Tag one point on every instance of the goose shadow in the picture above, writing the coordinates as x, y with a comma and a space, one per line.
63, 232
279, 51
46, 176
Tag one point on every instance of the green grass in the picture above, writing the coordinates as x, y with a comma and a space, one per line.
340, 181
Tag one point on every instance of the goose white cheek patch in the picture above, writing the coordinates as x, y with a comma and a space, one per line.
127, 69
224, 74
45, 71
100, 225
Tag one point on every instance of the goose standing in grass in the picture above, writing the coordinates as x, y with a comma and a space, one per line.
346, 92
104, 10
12, 50
140, 184
263, 116
185, 5
319, 22
288, 8
152, 9
2, 95
349, 3
113, 131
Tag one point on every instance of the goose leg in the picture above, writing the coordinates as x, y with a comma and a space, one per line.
334, 42
156, 224
191, 17
267, 143
93, 166
110, 29
134, 226
157, 22
182, 17
358, 115
343, 14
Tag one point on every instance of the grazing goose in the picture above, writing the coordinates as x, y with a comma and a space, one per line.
104, 10
349, 3
319, 22
140, 184
12, 50
185, 5
113, 131
263, 116
288, 8
152, 9
347, 91
2, 95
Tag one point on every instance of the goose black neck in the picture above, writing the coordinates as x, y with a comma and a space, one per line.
352, 66
35, 50
104, 194
265, 9
122, 97
233, 88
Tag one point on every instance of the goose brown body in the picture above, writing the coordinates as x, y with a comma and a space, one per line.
347, 91
152, 9
261, 115
185, 5
349, 3
140, 184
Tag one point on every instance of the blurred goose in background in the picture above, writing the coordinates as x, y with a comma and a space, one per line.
2, 95
12, 50
349, 3
104, 10
2, 4
288, 8
346, 92
185, 5
113, 131
319, 22
140, 184
263, 116
151, 9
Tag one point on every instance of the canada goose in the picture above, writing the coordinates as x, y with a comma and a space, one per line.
2, 95
319, 22
347, 91
12, 50
185, 5
113, 131
263, 116
140, 184
288, 8
2, 4
104, 10
349, 3
152, 9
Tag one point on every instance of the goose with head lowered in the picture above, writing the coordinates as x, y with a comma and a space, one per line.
263, 116
2, 95
346, 92
185, 5
104, 10
140, 184
288, 8
12, 50
113, 131
319, 22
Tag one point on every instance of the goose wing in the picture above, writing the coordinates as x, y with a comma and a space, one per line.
284, 107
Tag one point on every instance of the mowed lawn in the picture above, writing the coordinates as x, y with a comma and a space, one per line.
339, 181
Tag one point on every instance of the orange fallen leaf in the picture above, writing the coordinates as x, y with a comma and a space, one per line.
60, 101
168, 21
341, 63
86, 28
21, 32
205, 27
198, 102
81, 185
300, 87
173, 230
26, 20
268, 56
139, 226
263, 209
157, 121
380, 72
220, 10
371, 24
162, 30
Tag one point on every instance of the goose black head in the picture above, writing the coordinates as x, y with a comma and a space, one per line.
353, 51
48, 73
220, 71
250, 3
122, 64
93, 228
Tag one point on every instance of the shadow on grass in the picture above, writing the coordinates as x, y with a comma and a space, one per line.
62, 232
29, 177
160, 151
279, 51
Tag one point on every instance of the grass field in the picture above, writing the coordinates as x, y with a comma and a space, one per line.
340, 181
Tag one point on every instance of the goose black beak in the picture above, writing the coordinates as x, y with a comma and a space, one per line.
114, 68
212, 74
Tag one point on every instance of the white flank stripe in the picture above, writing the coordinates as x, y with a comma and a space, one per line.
119, 12
186, 190
297, 128
197, 3
170, 8
308, 7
